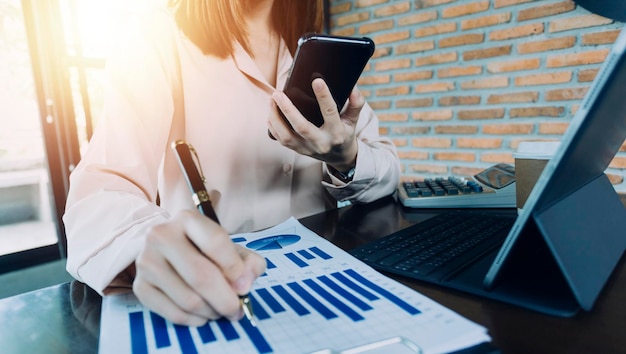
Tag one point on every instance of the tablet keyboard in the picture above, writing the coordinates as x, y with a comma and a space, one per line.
446, 239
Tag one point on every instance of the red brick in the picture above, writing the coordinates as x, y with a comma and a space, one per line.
463, 39
584, 21
490, 82
439, 58
340, 8
391, 37
435, 29
516, 97
379, 105
479, 143
508, 129
546, 45
456, 129
419, 17
420, 4
465, 171
410, 130
415, 47
504, 3
487, 52
607, 37
546, 111
455, 156
516, 32
367, 3
352, 18
618, 162
582, 58
393, 117
444, 114
459, 100
465, 9
513, 65
376, 26
348, 31
381, 52
553, 128
435, 87
572, 93
544, 79
550, 9
429, 142
494, 157
394, 9
587, 75
459, 71
414, 76
374, 79
392, 64
414, 102
393, 91
486, 21
493, 113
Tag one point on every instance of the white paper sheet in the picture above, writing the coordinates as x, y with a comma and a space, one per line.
314, 297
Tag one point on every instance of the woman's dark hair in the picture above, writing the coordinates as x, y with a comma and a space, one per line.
213, 25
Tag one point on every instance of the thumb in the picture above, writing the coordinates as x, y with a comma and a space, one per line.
354, 106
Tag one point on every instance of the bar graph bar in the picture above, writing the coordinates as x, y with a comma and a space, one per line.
311, 300
185, 341
347, 310
227, 329
290, 300
383, 292
320, 253
270, 301
344, 293
306, 254
138, 341
159, 328
206, 333
296, 260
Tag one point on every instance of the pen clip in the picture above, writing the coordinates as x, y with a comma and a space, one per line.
196, 159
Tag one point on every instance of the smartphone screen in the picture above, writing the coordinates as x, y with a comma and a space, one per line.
338, 60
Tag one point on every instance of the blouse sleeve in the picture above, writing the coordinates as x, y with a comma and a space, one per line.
111, 200
377, 171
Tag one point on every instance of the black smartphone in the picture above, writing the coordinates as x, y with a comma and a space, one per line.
336, 59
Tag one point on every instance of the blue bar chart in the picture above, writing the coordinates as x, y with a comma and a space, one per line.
313, 297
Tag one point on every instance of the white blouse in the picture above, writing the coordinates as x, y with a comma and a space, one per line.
253, 181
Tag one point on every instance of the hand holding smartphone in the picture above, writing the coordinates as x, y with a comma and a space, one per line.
339, 61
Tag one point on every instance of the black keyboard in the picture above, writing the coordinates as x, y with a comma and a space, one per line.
437, 246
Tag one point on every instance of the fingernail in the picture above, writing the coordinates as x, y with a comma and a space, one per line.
244, 283
318, 84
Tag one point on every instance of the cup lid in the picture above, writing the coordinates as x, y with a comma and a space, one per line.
536, 149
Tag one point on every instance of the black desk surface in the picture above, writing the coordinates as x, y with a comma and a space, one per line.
65, 318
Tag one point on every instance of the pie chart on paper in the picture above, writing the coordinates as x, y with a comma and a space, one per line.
273, 242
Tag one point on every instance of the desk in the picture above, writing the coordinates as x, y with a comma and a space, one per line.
65, 318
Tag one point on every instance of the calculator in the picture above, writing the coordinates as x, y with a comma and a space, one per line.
493, 187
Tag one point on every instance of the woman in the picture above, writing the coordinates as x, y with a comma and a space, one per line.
233, 55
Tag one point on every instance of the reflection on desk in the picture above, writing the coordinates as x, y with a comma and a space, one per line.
66, 318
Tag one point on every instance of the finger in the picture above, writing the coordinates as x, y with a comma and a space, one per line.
157, 301
159, 266
255, 263
205, 289
299, 124
327, 104
214, 243
356, 101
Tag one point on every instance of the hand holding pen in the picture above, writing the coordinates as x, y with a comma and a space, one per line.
194, 176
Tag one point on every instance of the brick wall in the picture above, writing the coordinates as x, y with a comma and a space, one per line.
457, 84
